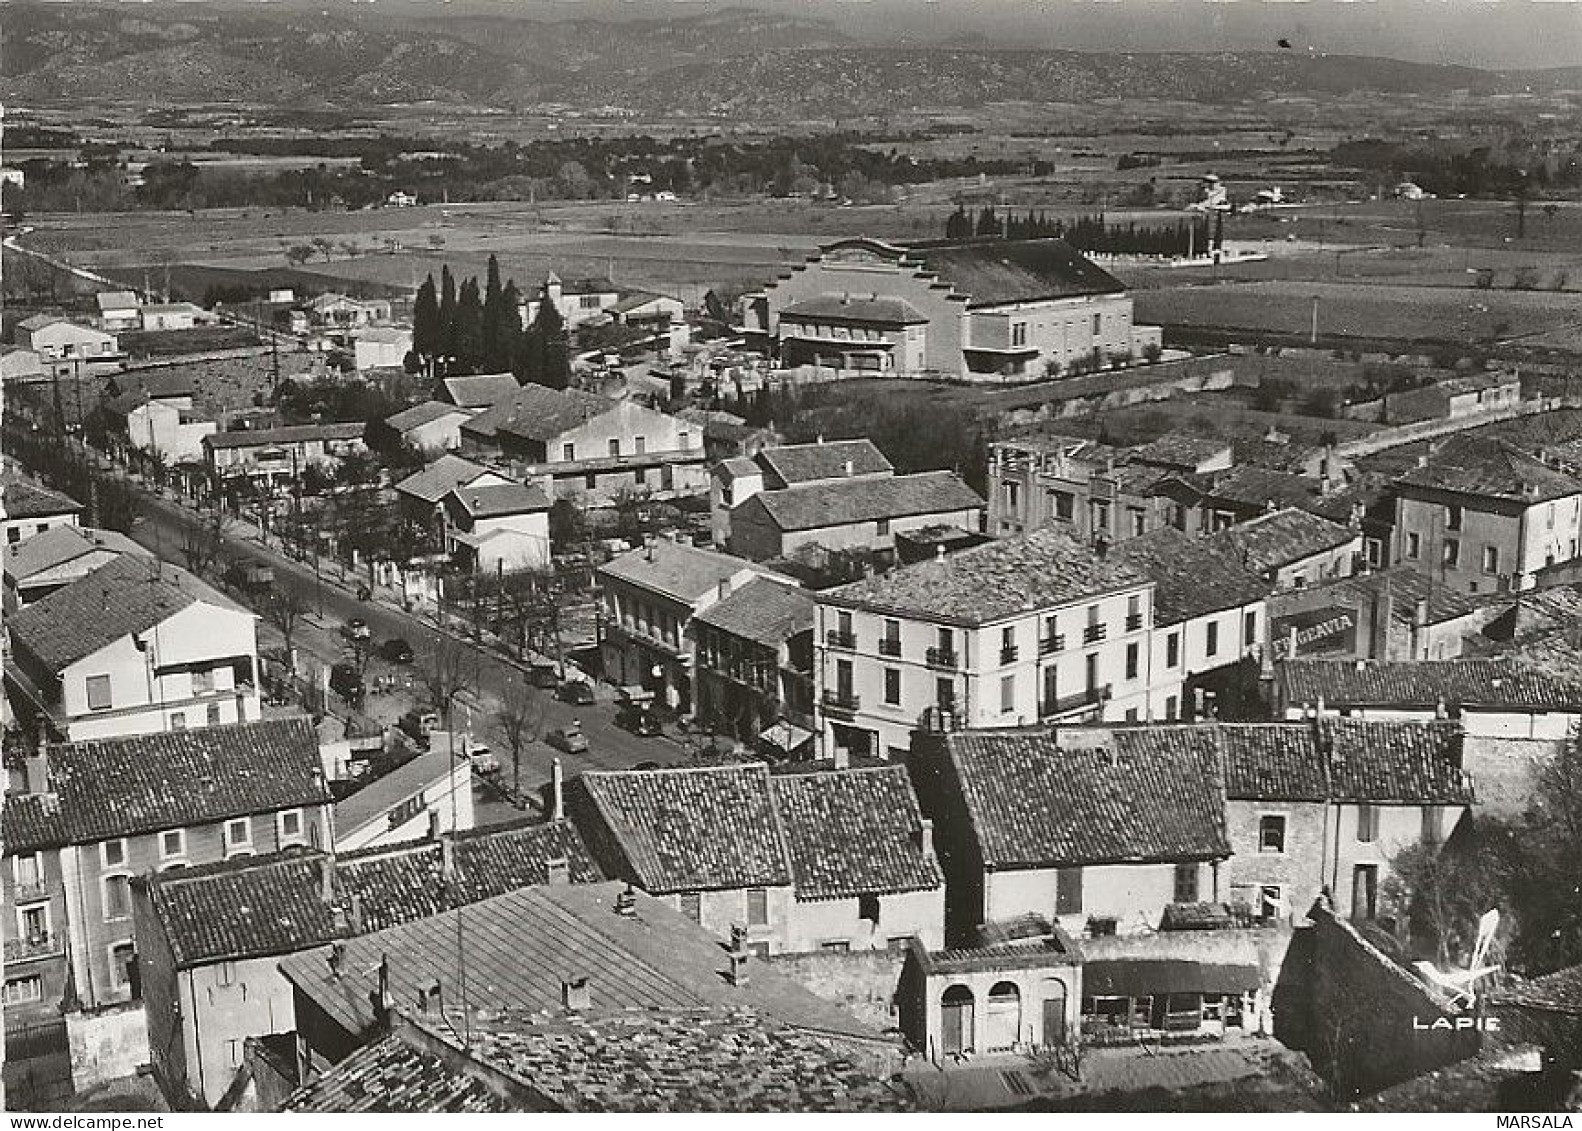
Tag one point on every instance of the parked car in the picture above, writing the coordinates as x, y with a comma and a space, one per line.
569, 739
639, 720
356, 630
416, 724
396, 650
543, 677
346, 681
576, 691
482, 759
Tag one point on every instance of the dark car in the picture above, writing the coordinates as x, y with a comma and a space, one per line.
543, 677
346, 681
576, 691
356, 630
397, 651
640, 721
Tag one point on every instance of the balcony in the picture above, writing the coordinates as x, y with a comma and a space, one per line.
46, 945
941, 719
31, 892
1094, 633
1049, 645
889, 647
1066, 704
941, 658
1134, 621
835, 638
837, 701
1009, 653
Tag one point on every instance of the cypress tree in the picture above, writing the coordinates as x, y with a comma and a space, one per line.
469, 342
447, 313
492, 293
425, 322
500, 339
552, 349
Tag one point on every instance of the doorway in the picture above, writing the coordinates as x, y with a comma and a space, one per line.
958, 1021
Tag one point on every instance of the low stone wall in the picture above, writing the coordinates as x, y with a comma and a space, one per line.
1505, 771
864, 982
107, 1044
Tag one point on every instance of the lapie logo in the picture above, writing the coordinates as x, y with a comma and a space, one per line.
1444, 1024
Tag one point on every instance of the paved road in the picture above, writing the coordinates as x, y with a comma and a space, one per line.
162, 530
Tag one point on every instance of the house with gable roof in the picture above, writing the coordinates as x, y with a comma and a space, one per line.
500, 527
38, 566
31, 508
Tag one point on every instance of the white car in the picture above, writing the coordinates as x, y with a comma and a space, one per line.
482, 759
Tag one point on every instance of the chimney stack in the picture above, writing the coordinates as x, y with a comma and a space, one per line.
849, 468
842, 757
557, 791
354, 913
433, 824
559, 871
1420, 630
576, 995
37, 770
447, 858
327, 878
383, 1003
737, 955
939, 552
925, 839
337, 959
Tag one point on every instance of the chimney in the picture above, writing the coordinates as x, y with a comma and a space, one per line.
1420, 630
925, 839
447, 858
354, 913
433, 824
737, 955
849, 468
842, 757
558, 871
431, 999
37, 768
1290, 643
576, 994
383, 1002
327, 878
626, 902
557, 791
337, 959
939, 552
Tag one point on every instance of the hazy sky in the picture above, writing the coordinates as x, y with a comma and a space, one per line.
1487, 33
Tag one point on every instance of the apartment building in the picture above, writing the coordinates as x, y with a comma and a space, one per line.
755, 665
1039, 628
279, 455
1293, 548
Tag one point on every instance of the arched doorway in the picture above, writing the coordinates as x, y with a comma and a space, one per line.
957, 1021
1053, 996
1004, 1016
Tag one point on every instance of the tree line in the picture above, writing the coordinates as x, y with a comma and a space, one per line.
473, 329
1085, 233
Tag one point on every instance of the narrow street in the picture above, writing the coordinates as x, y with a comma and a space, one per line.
162, 530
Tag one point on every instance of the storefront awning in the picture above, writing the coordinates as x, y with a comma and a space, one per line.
1147, 977
786, 736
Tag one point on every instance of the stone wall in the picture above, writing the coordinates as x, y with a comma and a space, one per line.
864, 982
1505, 771
107, 1044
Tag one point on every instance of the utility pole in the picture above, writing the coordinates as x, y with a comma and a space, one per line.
1313, 334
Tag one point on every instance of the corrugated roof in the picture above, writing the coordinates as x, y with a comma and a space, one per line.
791, 464
816, 506
994, 272
763, 611
853, 832
131, 594
1042, 570
1425, 683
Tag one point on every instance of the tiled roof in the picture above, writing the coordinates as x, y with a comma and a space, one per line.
1191, 576
25, 499
1489, 466
737, 466
853, 832
116, 300
1179, 450
437, 480
1560, 992
695, 829
859, 308
385, 336
421, 414
1075, 448
1382, 763
816, 506
991, 272
1270, 541
699, 1060
1424, 684
131, 594
1039, 798
291, 434
31, 821
676, 570
1041, 570
1055, 948
519, 947
1271, 762
116, 787
275, 904
392, 1075
765, 612
1405, 587
62, 544
802, 463
1259, 486
480, 390
538, 413
39, 321
495, 502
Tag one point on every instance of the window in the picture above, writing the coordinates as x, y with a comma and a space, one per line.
1172, 649
588, 302
1186, 883
1491, 559
14, 535
1091, 672
692, 905
117, 897
1098, 324
1271, 833
27, 871
683, 439
892, 686
1271, 902
289, 826
123, 965
225, 974
1414, 546
757, 907
568, 452
1133, 654
33, 922
1063, 505
203, 682
21, 990
1211, 639
836, 946
1068, 891
172, 844
238, 834
640, 443
1101, 516
98, 693
890, 642
1170, 708
113, 853
615, 447
1452, 553
1018, 334
882, 527
1249, 629
640, 476
211, 716
1452, 517
407, 810
178, 720
1007, 694
945, 694
1367, 823
233, 1052
590, 482
868, 908
1139, 520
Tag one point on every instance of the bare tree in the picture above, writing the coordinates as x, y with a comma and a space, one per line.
285, 609
449, 669
521, 717
204, 544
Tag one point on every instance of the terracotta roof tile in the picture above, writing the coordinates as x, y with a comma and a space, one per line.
537, 413
1425, 684
1278, 539
992, 272
1191, 576
765, 612
676, 570
814, 506
393, 1076
26, 499
791, 464
1490, 466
